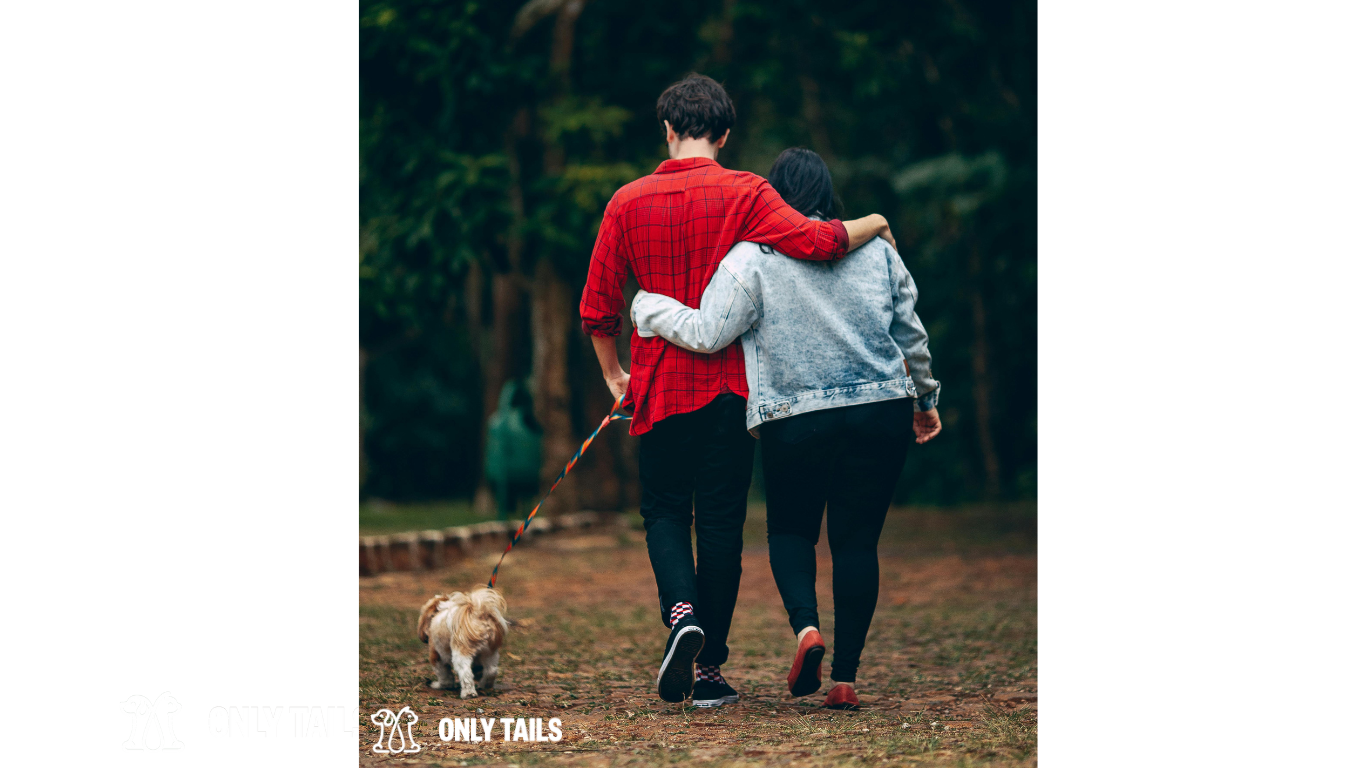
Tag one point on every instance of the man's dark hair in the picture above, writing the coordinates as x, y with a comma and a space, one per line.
803, 179
697, 107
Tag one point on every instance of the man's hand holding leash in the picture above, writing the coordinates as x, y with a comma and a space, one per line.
618, 384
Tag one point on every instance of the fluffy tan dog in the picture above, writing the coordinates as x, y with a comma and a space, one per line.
462, 629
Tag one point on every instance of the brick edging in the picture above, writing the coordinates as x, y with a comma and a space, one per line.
426, 550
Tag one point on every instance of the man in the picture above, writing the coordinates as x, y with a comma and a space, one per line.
671, 229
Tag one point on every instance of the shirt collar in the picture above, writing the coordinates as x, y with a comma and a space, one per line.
687, 163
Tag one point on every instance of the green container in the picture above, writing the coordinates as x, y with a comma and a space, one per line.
512, 455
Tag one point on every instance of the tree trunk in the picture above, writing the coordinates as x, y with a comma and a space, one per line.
815, 119
479, 345
724, 36
551, 315
561, 57
552, 308
981, 373
562, 43
504, 350
600, 486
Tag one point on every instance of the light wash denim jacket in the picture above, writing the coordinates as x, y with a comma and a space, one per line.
816, 334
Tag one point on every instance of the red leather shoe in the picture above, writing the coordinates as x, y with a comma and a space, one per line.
805, 677
842, 696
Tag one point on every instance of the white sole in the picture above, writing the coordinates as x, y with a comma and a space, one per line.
709, 703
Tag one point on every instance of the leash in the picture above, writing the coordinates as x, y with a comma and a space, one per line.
614, 415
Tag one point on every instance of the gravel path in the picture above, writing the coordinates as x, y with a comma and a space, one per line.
949, 673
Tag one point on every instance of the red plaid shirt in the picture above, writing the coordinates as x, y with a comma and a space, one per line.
672, 228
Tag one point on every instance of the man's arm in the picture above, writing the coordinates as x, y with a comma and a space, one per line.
773, 222
601, 303
865, 229
600, 306
727, 310
617, 380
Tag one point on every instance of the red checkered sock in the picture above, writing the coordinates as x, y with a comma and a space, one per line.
679, 611
710, 673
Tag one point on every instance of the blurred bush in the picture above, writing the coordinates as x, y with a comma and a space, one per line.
492, 135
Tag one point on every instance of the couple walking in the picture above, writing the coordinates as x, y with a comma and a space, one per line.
832, 373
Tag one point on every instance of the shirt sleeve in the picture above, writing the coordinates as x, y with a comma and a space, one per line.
727, 310
601, 304
773, 222
909, 333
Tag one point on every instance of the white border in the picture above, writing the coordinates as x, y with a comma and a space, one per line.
179, 303
1201, 269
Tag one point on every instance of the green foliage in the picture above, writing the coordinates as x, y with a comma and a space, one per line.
432, 172
588, 116
924, 111
423, 408
433, 180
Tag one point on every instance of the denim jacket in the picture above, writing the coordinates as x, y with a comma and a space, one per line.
815, 334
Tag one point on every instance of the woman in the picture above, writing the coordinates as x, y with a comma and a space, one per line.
838, 367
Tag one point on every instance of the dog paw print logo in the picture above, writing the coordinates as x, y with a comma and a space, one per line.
151, 727
395, 725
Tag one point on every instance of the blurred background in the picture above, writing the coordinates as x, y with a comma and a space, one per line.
494, 133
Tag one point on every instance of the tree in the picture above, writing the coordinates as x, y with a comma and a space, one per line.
493, 135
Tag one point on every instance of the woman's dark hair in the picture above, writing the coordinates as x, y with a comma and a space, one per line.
697, 107
800, 176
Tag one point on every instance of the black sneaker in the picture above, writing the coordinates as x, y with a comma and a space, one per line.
675, 680
706, 693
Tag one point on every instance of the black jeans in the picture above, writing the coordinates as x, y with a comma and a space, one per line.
706, 454
849, 458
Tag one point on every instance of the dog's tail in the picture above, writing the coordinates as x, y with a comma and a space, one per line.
488, 604
487, 601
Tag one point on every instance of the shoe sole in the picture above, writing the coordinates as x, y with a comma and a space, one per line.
839, 706
675, 679
708, 703
809, 679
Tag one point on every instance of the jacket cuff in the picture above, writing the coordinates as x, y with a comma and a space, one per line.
643, 333
928, 402
841, 239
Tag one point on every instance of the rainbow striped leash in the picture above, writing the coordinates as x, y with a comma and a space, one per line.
615, 415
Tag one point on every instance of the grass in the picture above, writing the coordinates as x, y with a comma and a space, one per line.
956, 622
386, 517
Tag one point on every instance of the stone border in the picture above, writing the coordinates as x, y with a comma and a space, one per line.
428, 550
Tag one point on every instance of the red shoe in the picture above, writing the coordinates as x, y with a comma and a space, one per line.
805, 677
842, 696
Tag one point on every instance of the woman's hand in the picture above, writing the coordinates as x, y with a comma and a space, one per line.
926, 425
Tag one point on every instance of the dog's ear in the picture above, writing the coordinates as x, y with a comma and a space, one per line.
424, 619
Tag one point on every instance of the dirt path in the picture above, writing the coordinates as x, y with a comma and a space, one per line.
948, 676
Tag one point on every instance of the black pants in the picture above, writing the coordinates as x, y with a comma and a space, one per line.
849, 458
701, 459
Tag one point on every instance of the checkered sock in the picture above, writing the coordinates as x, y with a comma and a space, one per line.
679, 611
710, 673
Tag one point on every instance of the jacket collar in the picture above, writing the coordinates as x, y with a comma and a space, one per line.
688, 163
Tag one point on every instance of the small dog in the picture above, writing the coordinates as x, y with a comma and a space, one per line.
463, 630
